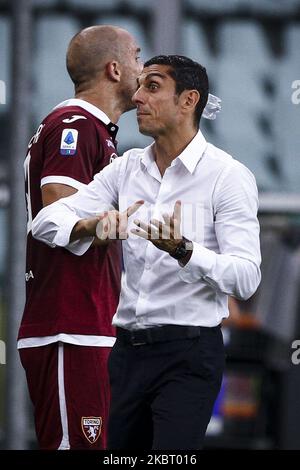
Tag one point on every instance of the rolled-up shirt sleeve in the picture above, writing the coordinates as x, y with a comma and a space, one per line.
54, 223
235, 269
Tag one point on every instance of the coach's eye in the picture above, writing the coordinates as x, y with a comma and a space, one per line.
153, 86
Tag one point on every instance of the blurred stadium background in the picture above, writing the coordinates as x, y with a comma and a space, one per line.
251, 51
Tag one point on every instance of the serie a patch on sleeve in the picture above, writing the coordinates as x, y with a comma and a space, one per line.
68, 143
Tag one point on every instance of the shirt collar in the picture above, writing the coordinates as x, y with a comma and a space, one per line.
147, 156
192, 154
189, 157
92, 110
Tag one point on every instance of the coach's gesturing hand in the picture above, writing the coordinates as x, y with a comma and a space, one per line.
164, 235
110, 225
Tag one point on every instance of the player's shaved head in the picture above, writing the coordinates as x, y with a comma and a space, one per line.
92, 48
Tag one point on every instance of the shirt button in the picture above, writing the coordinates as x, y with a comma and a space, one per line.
147, 266
113, 128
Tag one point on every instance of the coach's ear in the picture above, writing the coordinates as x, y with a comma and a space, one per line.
189, 100
113, 71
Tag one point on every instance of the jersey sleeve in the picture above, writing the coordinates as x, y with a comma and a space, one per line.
71, 150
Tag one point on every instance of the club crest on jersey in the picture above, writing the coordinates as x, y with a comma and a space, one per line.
68, 143
91, 428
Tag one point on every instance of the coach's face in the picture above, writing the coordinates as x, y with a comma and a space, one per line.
158, 105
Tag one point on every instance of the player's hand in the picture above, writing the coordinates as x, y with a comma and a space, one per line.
112, 225
164, 235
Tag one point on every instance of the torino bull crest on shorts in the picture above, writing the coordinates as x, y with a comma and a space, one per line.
91, 428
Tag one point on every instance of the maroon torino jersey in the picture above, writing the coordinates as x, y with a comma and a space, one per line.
66, 293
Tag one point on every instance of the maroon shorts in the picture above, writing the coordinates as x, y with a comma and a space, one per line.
69, 388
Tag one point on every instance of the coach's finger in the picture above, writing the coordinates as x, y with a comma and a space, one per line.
123, 223
112, 226
177, 212
133, 208
102, 227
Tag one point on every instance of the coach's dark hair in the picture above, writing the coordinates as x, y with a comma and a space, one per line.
188, 75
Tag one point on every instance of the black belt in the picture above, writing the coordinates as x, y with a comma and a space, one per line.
160, 334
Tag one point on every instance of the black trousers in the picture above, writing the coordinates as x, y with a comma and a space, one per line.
162, 393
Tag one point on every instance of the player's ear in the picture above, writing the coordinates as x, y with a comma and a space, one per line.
113, 71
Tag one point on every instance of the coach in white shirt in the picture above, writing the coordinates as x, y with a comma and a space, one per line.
194, 240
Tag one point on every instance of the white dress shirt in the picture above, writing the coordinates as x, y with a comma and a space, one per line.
219, 214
